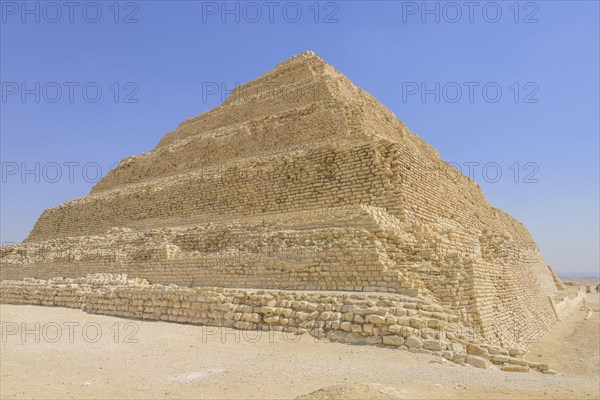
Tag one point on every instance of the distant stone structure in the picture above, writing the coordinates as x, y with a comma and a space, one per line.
302, 181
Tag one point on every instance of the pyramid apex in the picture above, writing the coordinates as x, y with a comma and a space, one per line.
307, 55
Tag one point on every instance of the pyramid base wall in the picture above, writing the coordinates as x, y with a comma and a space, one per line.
333, 249
510, 305
406, 322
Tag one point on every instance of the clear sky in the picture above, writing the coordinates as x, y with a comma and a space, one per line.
510, 87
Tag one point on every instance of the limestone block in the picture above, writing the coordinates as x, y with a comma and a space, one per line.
393, 340
413, 343
458, 348
517, 361
433, 345
514, 352
271, 320
346, 326
515, 368
375, 319
476, 361
474, 349
499, 359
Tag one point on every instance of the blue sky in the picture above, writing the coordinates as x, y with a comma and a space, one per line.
532, 114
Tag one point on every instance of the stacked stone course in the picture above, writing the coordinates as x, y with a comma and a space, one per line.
406, 322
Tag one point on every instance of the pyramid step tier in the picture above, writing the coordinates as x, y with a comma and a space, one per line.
377, 173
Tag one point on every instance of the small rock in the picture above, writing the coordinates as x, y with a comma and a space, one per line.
438, 361
543, 367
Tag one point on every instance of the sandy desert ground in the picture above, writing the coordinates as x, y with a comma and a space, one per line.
98, 357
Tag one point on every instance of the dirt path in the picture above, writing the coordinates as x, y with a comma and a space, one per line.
573, 346
108, 357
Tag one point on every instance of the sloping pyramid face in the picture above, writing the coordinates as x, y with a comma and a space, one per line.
301, 181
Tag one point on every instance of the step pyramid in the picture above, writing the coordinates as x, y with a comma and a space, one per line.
301, 181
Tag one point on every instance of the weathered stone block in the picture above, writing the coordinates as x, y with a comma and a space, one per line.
432, 345
476, 361
413, 343
515, 368
393, 340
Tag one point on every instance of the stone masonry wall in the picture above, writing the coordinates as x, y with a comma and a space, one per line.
322, 252
405, 322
